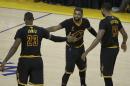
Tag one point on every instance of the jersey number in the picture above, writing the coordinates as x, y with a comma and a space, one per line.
32, 40
115, 30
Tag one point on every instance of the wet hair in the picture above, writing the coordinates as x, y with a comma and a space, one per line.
28, 16
107, 6
78, 9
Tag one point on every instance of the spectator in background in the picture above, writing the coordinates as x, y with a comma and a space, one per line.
103, 1
77, 3
73, 2
48, 1
62, 2
124, 7
96, 4
118, 5
93, 4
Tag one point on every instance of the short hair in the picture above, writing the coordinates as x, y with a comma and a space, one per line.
78, 9
107, 6
28, 16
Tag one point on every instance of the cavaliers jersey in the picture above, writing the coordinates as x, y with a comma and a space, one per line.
112, 26
31, 37
77, 30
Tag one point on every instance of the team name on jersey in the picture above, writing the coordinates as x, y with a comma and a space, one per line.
78, 34
114, 21
32, 30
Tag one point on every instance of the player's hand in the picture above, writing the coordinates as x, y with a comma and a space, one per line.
83, 57
2, 67
124, 47
71, 38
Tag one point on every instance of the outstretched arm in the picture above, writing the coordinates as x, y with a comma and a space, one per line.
57, 38
11, 52
94, 43
54, 28
69, 38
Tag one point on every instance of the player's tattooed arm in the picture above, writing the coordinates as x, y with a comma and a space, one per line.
69, 38
54, 28
57, 38
94, 43
11, 52
92, 31
125, 37
47, 35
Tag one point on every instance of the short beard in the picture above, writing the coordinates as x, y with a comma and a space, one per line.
77, 20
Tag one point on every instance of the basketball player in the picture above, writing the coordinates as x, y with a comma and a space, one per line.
109, 28
75, 27
30, 65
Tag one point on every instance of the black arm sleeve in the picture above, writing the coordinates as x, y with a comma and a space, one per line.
58, 38
93, 32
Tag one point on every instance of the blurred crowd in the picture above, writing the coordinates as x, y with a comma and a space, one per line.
118, 5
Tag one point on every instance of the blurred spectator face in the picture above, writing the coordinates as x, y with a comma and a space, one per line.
77, 15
